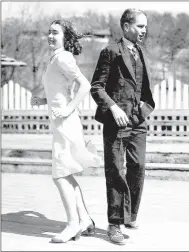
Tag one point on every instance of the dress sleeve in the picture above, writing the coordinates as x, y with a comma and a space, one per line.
68, 66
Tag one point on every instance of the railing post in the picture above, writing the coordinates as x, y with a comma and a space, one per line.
11, 95
17, 96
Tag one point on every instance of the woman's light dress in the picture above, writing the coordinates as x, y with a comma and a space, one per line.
69, 153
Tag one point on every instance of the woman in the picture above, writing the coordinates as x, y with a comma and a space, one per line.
69, 155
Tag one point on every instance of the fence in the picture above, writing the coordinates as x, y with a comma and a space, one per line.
170, 95
15, 97
170, 118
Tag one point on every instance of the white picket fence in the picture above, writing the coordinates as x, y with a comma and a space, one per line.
15, 97
170, 118
170, 96
166, 96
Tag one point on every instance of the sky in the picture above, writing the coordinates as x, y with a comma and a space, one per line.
12, 9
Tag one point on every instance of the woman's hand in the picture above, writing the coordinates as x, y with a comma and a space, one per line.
36, 101
61, 112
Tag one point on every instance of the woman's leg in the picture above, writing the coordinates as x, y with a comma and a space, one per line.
84, 217
67, 193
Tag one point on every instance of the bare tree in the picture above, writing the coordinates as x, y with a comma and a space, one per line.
167, 36
11, 43
24, 38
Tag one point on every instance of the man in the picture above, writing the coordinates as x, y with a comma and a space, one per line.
121, 89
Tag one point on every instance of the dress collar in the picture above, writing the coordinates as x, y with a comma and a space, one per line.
58, 50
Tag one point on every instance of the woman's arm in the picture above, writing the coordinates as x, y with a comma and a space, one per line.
37, 101
67, 64
84, 87
38, 96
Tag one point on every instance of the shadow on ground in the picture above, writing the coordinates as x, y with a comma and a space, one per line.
32, 223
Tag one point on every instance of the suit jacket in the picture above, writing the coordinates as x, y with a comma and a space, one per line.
114, 82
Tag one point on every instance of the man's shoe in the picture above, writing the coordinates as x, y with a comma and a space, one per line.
132, 225
116, 235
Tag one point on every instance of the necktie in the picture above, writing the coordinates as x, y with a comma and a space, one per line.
135, 53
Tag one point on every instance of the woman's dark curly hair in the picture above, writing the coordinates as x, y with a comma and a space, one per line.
71, 37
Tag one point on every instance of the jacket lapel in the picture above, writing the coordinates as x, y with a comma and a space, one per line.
126, 58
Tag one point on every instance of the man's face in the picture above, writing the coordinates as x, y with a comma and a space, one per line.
135, 32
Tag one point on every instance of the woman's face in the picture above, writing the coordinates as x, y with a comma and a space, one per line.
55, 36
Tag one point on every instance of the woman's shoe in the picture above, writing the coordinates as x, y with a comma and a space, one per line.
77, 236
63, 238
90, 229
132, 225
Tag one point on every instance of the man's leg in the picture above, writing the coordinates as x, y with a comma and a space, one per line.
118, 196
135, 158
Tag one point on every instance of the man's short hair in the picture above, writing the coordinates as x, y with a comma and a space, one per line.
129, 16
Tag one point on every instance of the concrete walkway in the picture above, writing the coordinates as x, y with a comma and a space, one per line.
44, 142
32, 213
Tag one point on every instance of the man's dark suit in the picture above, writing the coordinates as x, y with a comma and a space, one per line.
114, 81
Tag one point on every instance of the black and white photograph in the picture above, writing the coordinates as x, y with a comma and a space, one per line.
94, 126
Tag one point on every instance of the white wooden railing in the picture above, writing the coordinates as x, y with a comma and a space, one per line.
170, 118
15, 97
166, 96
170, 96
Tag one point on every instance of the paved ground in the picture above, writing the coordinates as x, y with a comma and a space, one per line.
44, 142
32, 213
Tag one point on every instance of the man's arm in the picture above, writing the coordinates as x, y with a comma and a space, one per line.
100, 79
98, 91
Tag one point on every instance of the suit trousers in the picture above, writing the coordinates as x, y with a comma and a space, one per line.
124, 157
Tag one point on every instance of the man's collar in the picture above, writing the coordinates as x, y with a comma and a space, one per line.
128, 43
